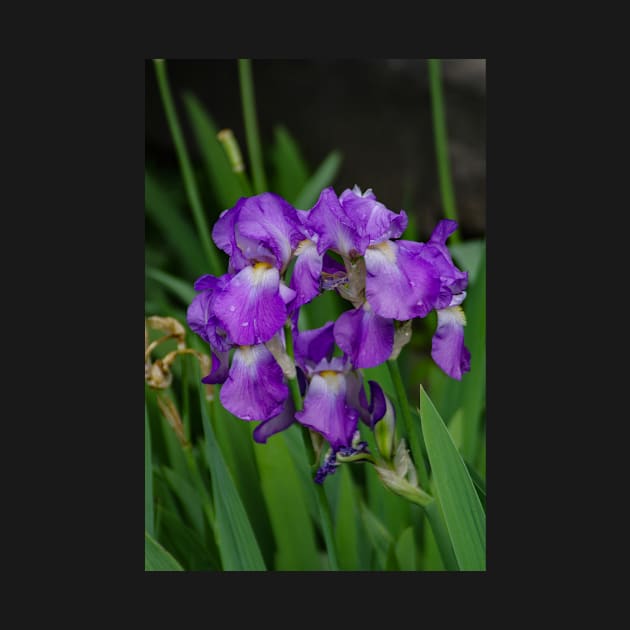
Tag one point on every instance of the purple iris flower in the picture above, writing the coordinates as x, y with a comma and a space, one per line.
254, 387
259, 234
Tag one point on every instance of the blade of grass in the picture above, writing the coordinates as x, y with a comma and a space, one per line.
251, 124
290, 170
441, 144
290, 519
176, 286
321, 178
412, 428
473, 383
189, 498
148, 476
190, 183
226, 184
378, 534
235, 538
348, 527
156, 558
405, 550
187, 545
163, 210
463, 513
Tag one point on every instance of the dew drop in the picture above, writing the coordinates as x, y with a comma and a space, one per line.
232, 308
245, 324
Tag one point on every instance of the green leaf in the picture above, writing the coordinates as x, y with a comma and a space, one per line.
235, 537
148, 476
468, 256
463, 513
474, 383
348, 526
405, 550
323, 177
291, 173
286, 504
186, 543
189, 497
175, 231
178, 287
379, 536
156, 558
226, 184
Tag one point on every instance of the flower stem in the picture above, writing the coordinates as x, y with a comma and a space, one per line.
322, 501
441, 143
190, 184
411, 428
251, 124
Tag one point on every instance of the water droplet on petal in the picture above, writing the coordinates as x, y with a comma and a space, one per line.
232, 308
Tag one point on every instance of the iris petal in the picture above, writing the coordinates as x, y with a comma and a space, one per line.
250, 307
255, 388
366, 337
326, 410
448, 349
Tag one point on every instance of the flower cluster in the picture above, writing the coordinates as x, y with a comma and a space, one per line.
348, 243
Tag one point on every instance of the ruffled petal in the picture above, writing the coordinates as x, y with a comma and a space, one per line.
219, 370
282, 421
201, 318
399, 284
448, 349
326, 410
334, 229
371, 218
314, 345
307, 271
268, 222
255, 387
250, 307
366, 337
223, 234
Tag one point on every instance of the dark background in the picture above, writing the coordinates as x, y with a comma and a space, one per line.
376, 112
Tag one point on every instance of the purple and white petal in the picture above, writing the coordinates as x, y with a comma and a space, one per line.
278, 423
448, 349
219, 370
250, 307
335, 230
255, 387
399, 284
371, 217
311, 346
270, 223
366, 337
326, 410
305, 280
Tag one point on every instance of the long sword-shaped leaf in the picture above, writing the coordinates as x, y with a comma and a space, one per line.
463, 513
322, 177
226, 184
156, 558
148, 476
235, 538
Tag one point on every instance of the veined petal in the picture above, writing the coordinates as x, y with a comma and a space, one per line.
371, 217
223, 234
200, 315
278, 423
326, 410
448, 349
366, 337
305, 280
250, 307
436, 252
255, 388
313, 345
219, 370
335, 230
399, 284
268, 221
